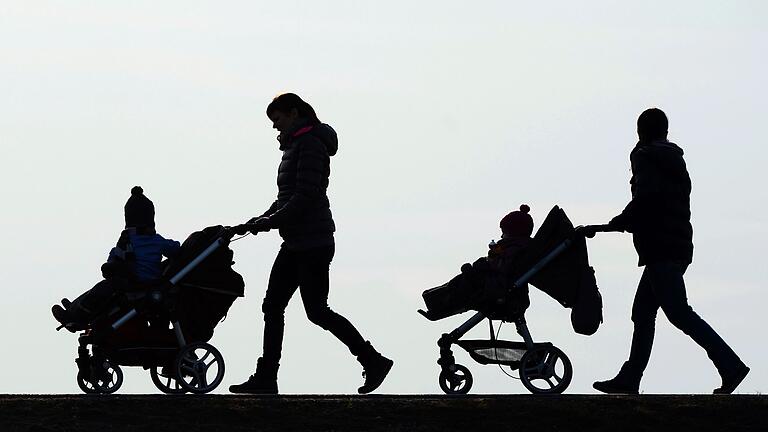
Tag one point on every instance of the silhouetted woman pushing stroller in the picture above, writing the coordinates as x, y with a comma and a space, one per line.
303, 216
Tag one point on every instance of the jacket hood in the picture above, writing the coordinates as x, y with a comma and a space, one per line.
327, 136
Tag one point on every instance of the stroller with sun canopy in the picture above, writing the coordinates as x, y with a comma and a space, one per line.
165, 327
555, 262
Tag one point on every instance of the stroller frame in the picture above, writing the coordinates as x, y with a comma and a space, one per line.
538, 363
99, 369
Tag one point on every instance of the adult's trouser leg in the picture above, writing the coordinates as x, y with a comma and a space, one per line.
283, 281
668, 284
644, 310
314, 287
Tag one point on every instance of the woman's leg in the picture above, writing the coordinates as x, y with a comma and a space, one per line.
314, 287
283, 281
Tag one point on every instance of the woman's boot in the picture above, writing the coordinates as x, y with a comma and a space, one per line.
375, 368
264, 381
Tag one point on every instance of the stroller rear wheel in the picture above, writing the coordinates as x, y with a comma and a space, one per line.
104, 378
165, 381
545, 370
199, 368
458, 381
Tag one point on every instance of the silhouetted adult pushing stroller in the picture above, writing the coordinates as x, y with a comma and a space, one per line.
555, 261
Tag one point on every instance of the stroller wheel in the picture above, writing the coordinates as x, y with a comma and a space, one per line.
199, 368
165, 381
83, 381
545, 370
104, 378
459, 381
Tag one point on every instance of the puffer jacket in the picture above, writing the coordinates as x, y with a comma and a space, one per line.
302, 211
659, 214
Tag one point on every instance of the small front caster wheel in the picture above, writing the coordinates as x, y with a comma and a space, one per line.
456, 380
104, 378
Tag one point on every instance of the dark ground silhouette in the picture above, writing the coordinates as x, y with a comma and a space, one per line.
209, 413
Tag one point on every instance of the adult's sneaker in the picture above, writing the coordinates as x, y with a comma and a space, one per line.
617, 385
732, 380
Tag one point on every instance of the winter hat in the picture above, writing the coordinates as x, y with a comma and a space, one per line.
139, 210
517, 223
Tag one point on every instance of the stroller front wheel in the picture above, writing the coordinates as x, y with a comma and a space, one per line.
546, 370
104, 378
458, 381
85, 384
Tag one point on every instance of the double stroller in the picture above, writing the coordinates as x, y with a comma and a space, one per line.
165, 327
555, 261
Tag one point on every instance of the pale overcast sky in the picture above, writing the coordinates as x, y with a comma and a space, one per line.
449, 115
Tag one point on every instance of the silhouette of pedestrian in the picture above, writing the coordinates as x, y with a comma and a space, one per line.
302, 214
658, 216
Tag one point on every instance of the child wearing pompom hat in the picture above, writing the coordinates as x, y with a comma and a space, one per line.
516, 229
517, 224
487, 284
135, 259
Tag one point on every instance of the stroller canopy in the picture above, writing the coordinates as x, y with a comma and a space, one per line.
562, 278
568, 278
208, 291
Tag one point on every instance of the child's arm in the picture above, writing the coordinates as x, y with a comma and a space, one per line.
170, 247
121, 249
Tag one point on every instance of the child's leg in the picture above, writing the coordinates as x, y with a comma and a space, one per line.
92, 302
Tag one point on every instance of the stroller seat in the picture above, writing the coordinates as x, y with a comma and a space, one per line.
566, 277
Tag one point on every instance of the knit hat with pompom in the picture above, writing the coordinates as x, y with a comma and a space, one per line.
517, 223
139, 210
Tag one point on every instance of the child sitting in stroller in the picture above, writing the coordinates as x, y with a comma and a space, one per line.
135, 260
484, 284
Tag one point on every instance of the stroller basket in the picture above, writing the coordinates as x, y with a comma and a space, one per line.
494, 351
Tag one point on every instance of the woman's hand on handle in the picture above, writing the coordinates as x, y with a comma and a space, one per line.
259, 224
589, 231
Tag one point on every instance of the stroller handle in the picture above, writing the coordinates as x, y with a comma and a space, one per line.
223, 238
241, 229
589, 231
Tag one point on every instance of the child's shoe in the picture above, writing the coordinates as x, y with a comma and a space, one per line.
62, 315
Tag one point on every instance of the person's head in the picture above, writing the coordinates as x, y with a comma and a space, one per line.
652, 125
139, 210
517, 223
288, 110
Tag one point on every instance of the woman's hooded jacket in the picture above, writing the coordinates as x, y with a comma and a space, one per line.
302, 211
